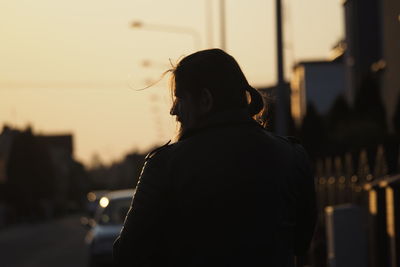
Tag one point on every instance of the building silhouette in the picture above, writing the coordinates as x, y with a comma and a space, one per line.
372, 44
318, 83
39, 177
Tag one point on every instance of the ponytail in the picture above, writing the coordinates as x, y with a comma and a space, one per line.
256, 104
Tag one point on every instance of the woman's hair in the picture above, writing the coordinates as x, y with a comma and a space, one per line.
221, 75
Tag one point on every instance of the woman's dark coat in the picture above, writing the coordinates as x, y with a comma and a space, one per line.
228, 194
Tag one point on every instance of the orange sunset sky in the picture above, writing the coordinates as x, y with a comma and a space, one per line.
72, 66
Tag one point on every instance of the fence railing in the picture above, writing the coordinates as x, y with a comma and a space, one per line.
348, 180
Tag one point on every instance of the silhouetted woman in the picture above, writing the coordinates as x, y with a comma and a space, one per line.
228, 192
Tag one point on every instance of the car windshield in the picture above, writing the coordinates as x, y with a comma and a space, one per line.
115, 211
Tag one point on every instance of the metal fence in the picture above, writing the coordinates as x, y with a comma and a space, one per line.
352, 180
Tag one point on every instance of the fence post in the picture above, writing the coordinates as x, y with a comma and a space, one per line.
349, 172
340, 181
378, 249
392, 191
364, 173
346, 237
331, 188
381, 168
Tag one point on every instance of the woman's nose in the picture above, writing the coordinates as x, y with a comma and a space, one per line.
173, 110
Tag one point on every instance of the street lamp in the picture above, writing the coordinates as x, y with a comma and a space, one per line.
147, 63
170, 29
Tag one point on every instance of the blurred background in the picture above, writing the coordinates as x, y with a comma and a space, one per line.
76, 124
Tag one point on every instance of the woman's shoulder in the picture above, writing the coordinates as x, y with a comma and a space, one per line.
159, 151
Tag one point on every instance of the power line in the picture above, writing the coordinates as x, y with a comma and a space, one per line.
55, 85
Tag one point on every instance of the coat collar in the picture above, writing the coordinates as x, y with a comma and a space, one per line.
222, 119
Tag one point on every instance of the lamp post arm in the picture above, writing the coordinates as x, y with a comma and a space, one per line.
171, 29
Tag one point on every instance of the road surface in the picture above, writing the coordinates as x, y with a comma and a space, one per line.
55, 243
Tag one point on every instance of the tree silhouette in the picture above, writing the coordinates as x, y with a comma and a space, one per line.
369, 107
339, 113
30, 176
313, 132
339, 130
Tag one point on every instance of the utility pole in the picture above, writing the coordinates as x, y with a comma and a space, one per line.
209, 24
222, 24
282, 105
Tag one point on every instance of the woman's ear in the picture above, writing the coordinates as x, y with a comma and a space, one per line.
206, 101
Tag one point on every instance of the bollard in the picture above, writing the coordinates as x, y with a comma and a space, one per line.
392, 190
346, 237
378, 241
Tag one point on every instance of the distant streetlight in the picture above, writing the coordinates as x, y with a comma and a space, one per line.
170, 29
147, 63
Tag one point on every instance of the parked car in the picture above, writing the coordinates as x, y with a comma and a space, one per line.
93, 198
106, 226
